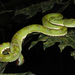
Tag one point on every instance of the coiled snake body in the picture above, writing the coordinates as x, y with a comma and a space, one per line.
53, 25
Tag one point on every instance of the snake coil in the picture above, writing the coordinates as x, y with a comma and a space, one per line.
53, 25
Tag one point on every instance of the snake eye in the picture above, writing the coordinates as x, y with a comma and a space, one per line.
6, 51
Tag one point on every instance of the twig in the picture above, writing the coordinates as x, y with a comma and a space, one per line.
64, 7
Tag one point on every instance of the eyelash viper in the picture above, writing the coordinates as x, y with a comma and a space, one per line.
53, 25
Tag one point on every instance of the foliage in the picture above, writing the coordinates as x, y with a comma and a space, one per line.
31, 9
26, 73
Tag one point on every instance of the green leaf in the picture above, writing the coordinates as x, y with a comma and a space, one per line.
67, 40
2, 67
40, 7
26, 73
42, 37
73, 54
33, 9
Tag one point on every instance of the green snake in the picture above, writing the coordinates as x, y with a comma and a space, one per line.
53, 25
